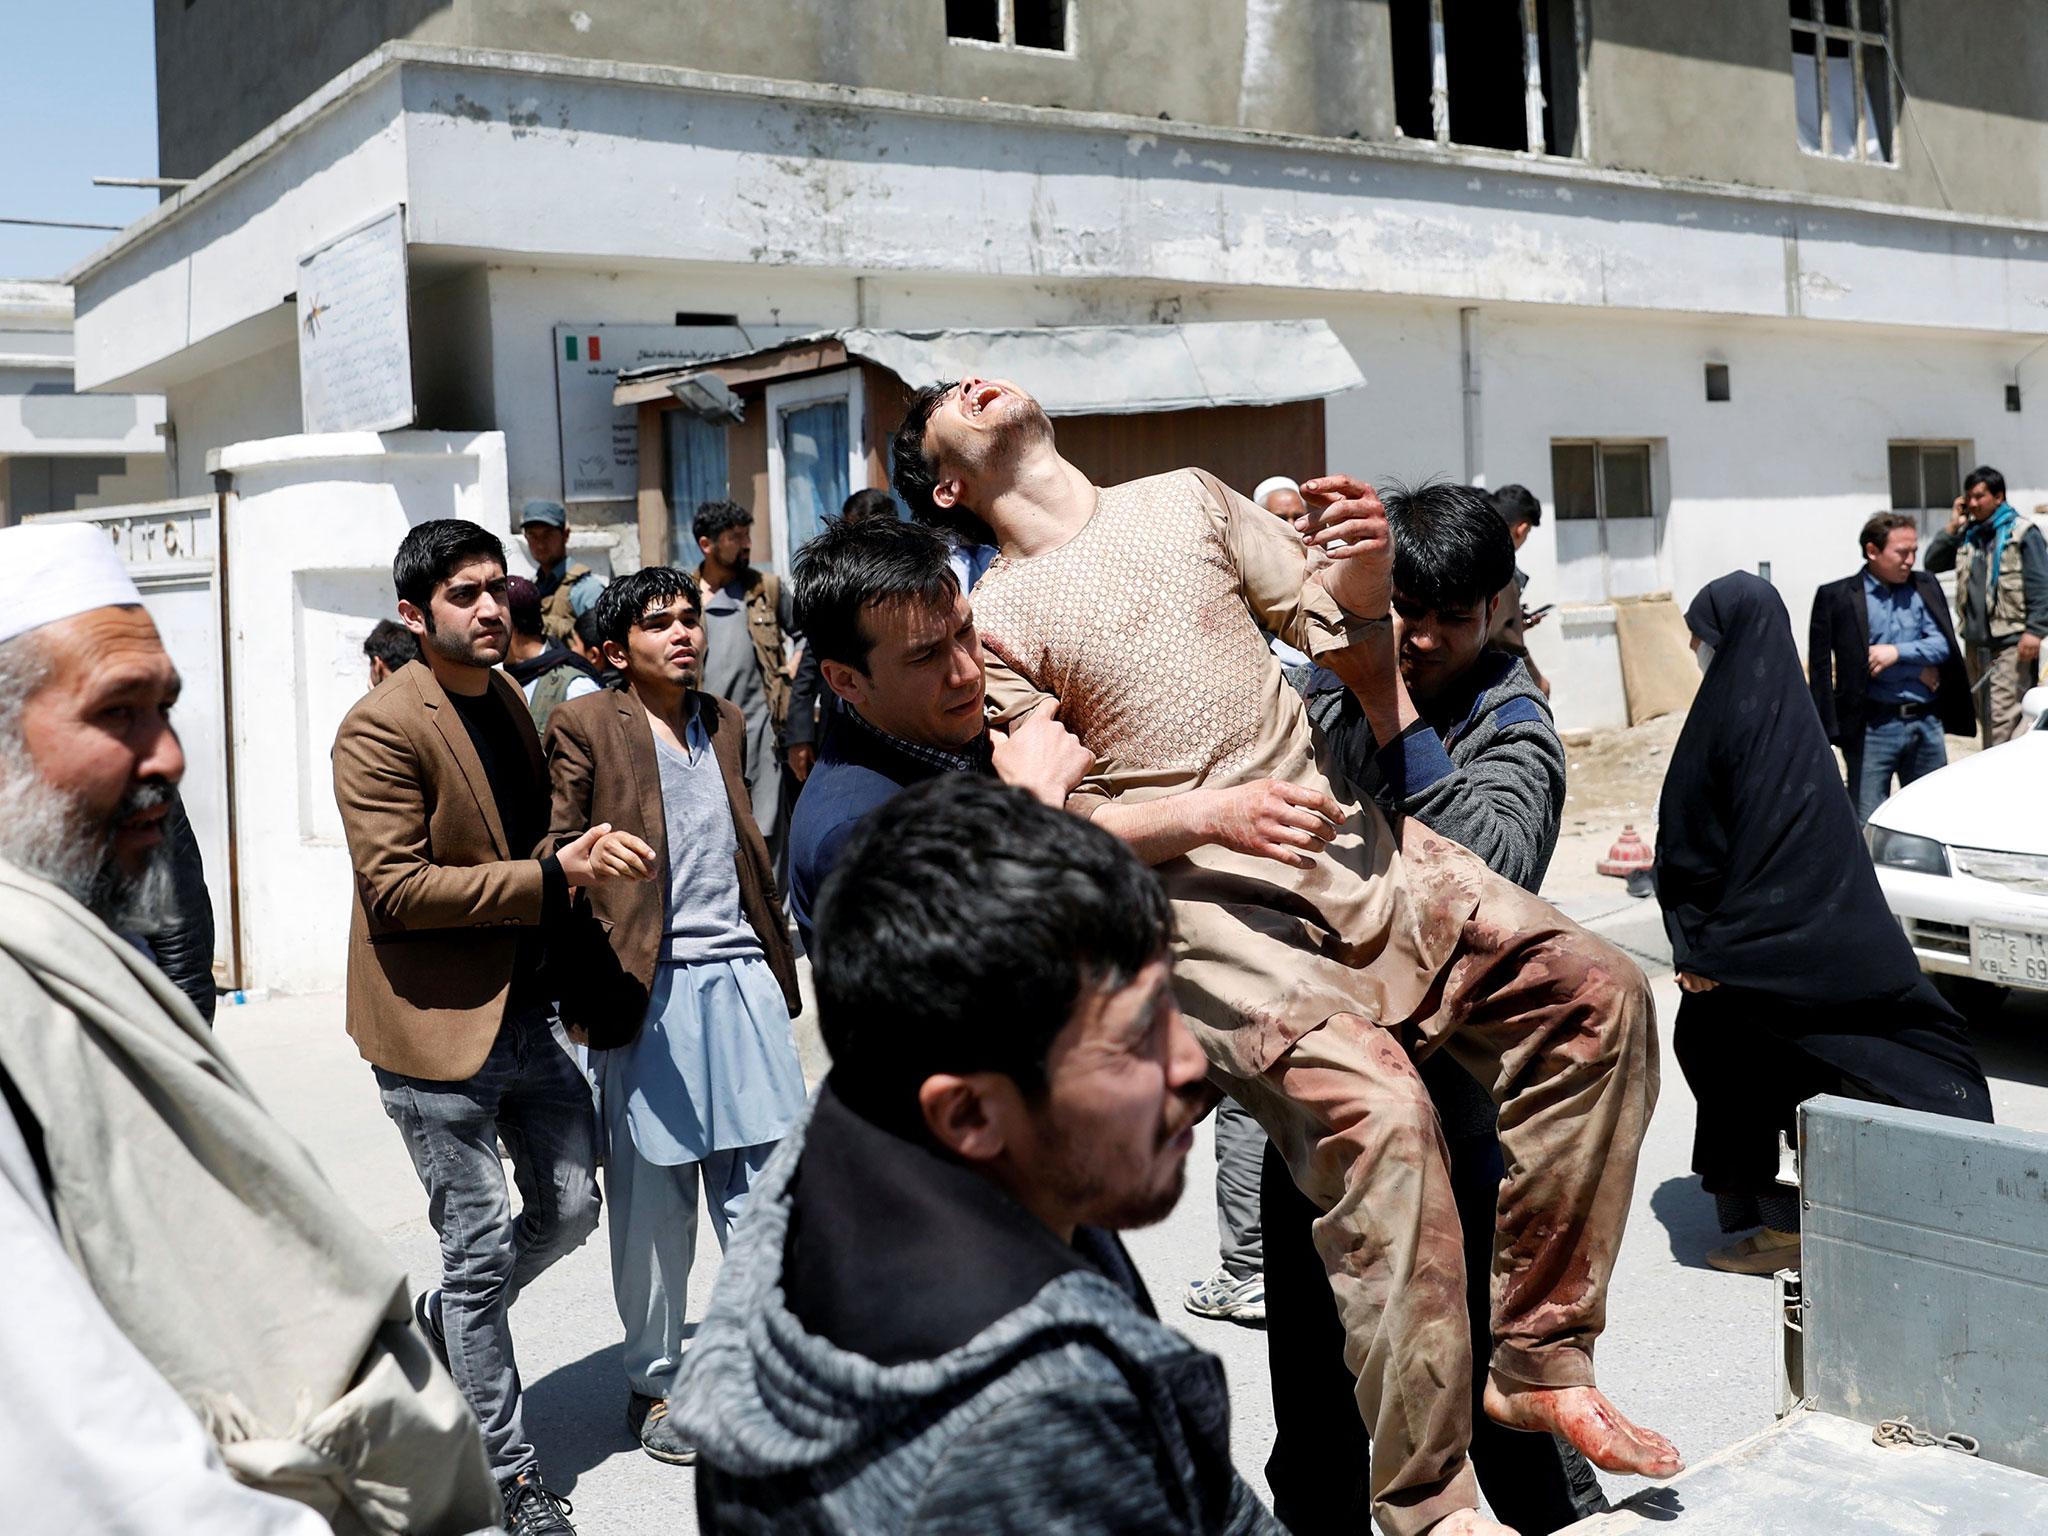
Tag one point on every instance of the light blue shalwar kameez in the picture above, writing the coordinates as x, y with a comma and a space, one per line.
709, 1085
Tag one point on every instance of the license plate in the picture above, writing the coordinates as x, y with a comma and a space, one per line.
2012, 957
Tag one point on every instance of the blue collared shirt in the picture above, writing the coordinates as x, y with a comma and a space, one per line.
1899, 616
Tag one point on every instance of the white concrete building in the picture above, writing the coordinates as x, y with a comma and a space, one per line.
61, 451
1692, 373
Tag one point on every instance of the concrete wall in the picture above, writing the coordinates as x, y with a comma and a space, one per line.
551, 164
312, 523
1706, 91
1283, 64
1677, 90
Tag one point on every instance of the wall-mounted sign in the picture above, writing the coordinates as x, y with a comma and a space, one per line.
601, 441
355, 331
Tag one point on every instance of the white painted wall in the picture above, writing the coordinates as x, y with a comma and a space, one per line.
312, 524
544, 160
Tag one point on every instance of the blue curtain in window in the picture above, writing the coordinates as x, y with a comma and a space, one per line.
814, 449
697, 473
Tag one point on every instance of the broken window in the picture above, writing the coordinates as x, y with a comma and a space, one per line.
1496, 74
1926, 477
1842, 82
1041, 25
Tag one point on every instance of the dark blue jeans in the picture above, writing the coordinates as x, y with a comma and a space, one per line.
1912, 749
529, 1093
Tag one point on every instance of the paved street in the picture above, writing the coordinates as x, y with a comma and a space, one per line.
1687, 1349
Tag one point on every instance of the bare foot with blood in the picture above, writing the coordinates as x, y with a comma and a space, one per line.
1469, 1522
1584, 1416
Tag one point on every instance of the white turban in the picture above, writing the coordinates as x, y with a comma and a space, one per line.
56, 570
1271, 484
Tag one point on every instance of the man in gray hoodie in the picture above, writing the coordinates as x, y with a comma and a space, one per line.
927, 1322
1473, 755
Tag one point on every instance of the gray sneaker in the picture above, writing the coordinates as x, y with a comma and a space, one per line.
1227, 1298
648, 1418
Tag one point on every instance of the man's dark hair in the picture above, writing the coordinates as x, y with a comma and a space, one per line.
391, 643
870, 503
432, 551
853, 566
1451, 549
586, 623
522, 602
915, 472
959, 930
1517, 505
1987, 477
623, 604
1878, 531
715, 517
910, 469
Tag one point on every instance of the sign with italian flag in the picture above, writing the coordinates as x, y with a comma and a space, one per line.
590, 349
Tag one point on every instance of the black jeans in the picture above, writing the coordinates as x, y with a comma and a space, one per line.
1321, 1453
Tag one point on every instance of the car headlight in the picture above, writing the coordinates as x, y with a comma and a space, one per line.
1902, 850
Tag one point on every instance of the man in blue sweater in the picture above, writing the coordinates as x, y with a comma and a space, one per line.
883, 609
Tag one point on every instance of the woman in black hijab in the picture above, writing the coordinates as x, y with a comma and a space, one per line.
1797, 978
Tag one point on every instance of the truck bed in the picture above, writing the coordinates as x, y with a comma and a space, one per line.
1814, 1474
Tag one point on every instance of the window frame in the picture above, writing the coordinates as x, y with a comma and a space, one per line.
1006, 34
1655, 488
1533, 99
842, 384
1822, 31
1964, 449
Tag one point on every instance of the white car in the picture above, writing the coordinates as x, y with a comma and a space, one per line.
1962, 856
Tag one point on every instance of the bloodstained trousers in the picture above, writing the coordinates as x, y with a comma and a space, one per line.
1557, 1025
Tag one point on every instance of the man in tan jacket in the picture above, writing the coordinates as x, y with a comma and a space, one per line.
443, 796
703, 1092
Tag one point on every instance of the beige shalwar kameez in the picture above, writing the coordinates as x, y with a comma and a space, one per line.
1315, 990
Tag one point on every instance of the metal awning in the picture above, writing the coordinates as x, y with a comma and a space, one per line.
1073, 370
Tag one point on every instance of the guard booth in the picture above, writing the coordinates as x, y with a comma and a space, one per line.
790, 430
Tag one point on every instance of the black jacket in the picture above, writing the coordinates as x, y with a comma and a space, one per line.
1838, 661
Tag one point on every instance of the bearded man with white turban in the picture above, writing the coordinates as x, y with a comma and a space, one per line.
197, 1335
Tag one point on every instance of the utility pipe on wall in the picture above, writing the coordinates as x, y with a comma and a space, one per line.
1468, 373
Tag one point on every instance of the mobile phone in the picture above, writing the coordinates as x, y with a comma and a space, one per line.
1537, 613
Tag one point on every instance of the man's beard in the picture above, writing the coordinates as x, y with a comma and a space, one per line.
458, 646
47, 835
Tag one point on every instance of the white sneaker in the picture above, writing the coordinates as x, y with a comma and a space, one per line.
1228, 1298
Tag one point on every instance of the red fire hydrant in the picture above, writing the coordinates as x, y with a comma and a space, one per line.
1629, 854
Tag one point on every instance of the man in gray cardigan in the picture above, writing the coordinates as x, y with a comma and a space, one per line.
926, 1322
1471, 754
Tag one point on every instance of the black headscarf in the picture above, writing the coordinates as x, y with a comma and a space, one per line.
1761, 867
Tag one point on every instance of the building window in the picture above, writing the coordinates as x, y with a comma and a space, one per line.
817, 455
1605, 496
1494, 74
1037, 26
1842, 82
697, 472
1927, 477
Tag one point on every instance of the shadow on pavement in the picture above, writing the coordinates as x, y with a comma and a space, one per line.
2012, 1043
576, 1414
1686, 1213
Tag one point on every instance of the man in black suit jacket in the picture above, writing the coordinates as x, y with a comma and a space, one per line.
1886, 671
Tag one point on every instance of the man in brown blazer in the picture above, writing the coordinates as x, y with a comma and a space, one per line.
695, 991
443, 797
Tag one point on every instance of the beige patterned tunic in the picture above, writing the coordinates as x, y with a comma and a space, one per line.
1146, 627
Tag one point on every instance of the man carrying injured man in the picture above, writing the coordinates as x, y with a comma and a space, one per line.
1320, 953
